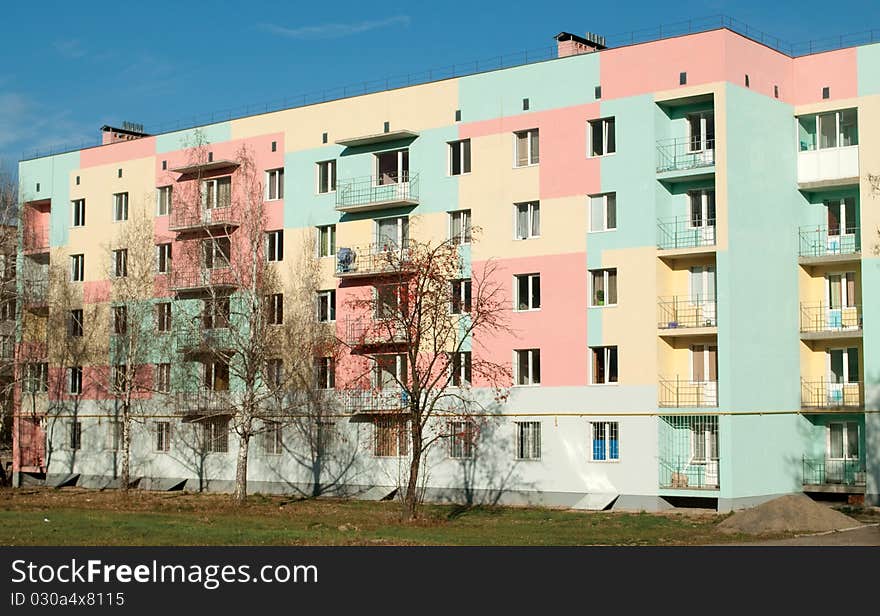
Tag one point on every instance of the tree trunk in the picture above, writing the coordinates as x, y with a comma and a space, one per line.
125, 474
411, 498
241, 467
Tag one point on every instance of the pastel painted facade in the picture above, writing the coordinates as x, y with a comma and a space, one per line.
698, 211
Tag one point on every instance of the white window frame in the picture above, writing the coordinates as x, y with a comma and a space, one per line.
216, 434
326, 241
605, 286
464, 296
331, 176
162, 432
402, 239
701, 140
603, 123
163, 200
273, 438
75, 380
275, 180
530, 432
325, 367
457, 150
400, 376
534, 158
530, 380
76, 325
464, 236
77, 268
401, 177
120, 207
606, 357
163, 307
219, 260
120, 263
462, 374
163, 377
399, 437
605, 200
163, 256
215, 183
78, 213
531, 291
462, 437
276, 308
606, 428
74, 435
275, 253
330, 296
530, 207
847, 454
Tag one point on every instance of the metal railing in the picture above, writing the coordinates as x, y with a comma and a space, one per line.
825, 471
372, 259
190, 218
191, 278
816, 242
373, 191
35, 239
367, 332
822, 394
35, 291
684, 154
683, 472
821, 318
472, 67
680, 393
356, 401
204, 401
686, 312
680, 232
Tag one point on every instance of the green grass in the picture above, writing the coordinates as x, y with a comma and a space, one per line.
81, 517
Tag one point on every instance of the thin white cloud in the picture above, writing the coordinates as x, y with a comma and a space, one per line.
70, 48
328, 31
28, 126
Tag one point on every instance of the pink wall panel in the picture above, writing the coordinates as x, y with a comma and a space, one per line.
836, 69
118, 152
764, 66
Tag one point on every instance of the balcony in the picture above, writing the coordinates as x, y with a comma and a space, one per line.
372, 260
678, 237
204, 402
374, 402
184, 220
817, 246
205, 167
679, 393
35, 239
193, 338
828, 168
365, 335
391, 135
819, 322
682, 159
824, 395
688, 454
834, 475
202, 279
687, 316
370, 193
35, 294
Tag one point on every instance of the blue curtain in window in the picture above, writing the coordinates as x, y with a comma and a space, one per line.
613, 449
599, 449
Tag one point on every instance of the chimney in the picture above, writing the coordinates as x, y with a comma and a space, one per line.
568, 44
128, 132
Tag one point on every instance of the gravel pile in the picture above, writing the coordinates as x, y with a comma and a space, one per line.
792, 513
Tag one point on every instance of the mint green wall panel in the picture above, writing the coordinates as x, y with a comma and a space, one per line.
868, 63
53, 174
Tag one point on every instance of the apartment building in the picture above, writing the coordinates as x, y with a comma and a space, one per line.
685, 229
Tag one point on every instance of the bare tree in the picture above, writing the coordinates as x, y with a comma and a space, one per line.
8, 305
418, 331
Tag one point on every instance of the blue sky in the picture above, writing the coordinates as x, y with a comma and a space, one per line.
69, 67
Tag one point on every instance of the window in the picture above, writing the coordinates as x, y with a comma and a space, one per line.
217, 193
275, 309
602, 139
325, 373
7, 310
528, 440
275, 245
606, 442
120, 207
843, 441
392, 233
701, 215
163, 201
460, 157
843, 368
75, 380
528, 367
528, 292
461, 439
701, 131
603, 285
834, 129
79, 213
390, 438
120, 320
163, 378
75, 323
216, 433
528, 220
327, 241
392, 167
527, 150
326, 306
36, 377
119, 378
163, 436
74, 435
274, 184
390, 301
273, 439
460, 227
326, 176
216, 252
216, 376
841, 217
216, 313
460, 366
603, 212
604, 365
461, 296
77, 268
389, 371
120, 263
163, 316
163, 258
704, 442
274, 372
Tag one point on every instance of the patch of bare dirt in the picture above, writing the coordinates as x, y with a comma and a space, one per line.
792, 513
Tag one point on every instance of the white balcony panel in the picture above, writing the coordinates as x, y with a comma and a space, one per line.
828, 164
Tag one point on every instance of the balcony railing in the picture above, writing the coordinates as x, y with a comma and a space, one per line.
35, 292
35, 239
677, 393
822, 394
196, 278
680, 232
204, 401
686, 312
820, 318
825, 471
684, 154
372, 192
683, 472
356, 401
816, 242
372, 260
192, 218
194, 338
370, 333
